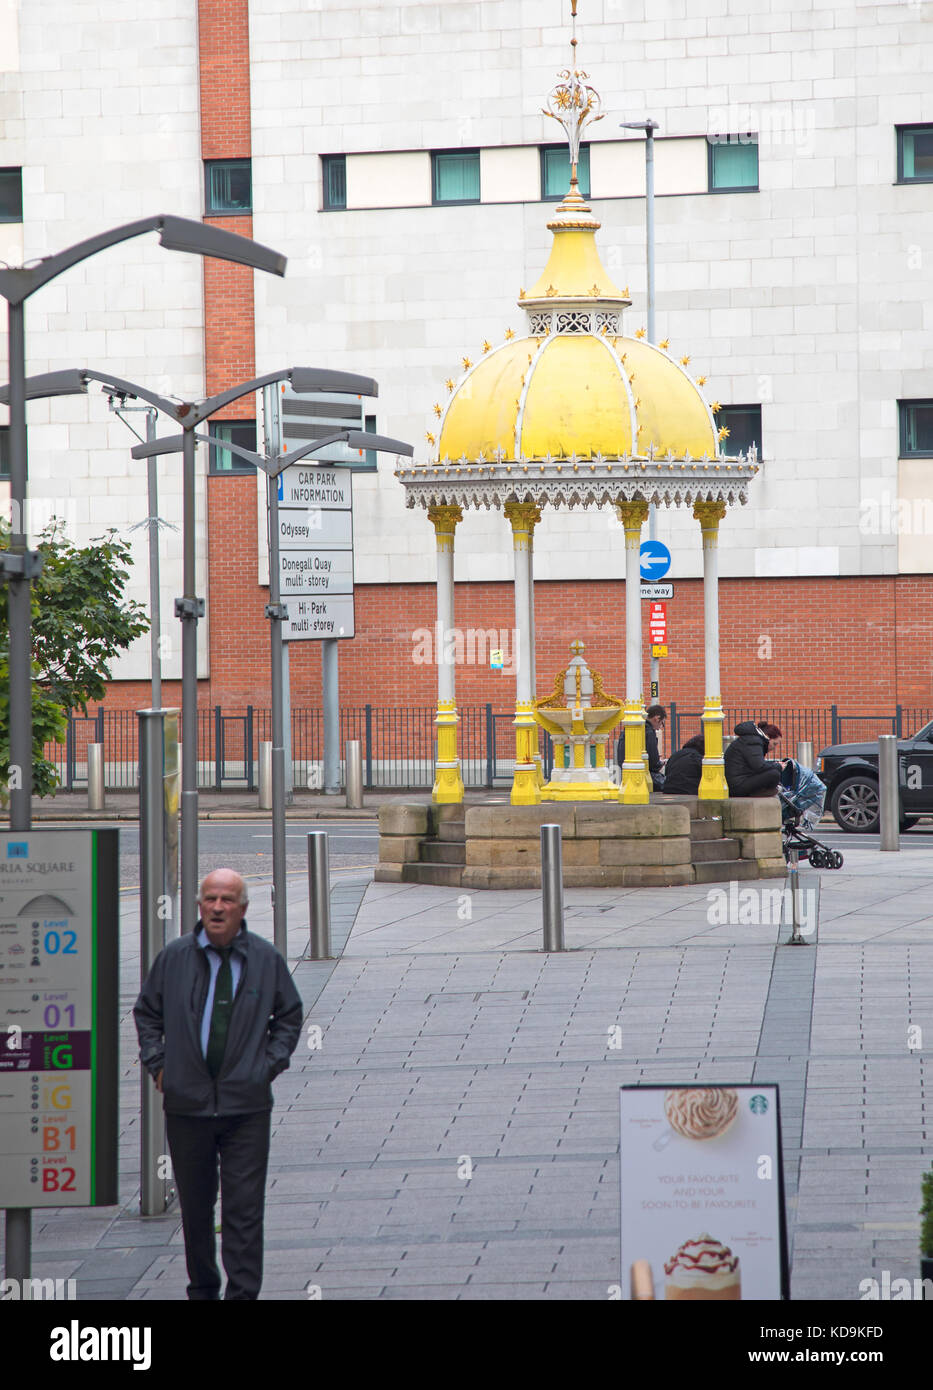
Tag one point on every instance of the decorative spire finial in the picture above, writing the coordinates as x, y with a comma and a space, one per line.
573, 102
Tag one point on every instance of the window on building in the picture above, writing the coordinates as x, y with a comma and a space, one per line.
369, 425
228, 186
732, 163
455, 175
242, 432
334, 171
744, 425
4, 451
555, 171
916, 429
11, 195
915, 154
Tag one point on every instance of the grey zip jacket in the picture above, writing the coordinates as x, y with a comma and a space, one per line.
264, 1026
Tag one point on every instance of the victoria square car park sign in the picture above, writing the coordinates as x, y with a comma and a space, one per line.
59, 997
316, 551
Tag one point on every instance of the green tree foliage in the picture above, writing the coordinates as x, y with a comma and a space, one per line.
80, 623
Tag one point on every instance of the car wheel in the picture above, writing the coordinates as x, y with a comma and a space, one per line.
908, 822
856, 805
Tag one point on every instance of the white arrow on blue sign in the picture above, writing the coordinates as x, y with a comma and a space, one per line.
655, 559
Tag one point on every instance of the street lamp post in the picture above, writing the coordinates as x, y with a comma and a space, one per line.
19, 565
152, 524
649, 127
189, 608
276, 610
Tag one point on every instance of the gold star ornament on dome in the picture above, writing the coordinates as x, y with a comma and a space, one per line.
723, 434
701, 381
684, 361
715, 407
509, 334
640, 332
449, 383
487, 345
467, 364
664, 344
429, 437
437, 410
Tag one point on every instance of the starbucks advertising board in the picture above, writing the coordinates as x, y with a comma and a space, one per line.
702, 1193
316, 551
59, 998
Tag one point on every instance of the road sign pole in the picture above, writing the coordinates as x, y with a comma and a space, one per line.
655, 562
276, 612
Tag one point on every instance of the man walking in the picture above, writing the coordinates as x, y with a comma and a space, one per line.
218, 1018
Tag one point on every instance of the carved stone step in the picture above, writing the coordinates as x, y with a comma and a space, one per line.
706, 850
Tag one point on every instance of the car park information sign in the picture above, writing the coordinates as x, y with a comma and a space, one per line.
316, 551
59, 998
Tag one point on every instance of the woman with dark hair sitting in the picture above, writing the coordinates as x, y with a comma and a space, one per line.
748, 771
685, 768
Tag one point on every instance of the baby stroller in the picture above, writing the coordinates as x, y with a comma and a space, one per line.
802, 795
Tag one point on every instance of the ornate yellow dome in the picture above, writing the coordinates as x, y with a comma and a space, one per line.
575, 386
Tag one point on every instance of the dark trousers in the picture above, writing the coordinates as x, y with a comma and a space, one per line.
241, 1144
759, 783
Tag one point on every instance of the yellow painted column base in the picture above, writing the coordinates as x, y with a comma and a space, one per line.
713, 785
526, 789
448, 784
636, 784
579, 791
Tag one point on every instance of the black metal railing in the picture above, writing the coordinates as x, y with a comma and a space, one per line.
821, 727
399, 743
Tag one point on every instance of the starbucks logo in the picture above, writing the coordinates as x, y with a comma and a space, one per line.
758, 1105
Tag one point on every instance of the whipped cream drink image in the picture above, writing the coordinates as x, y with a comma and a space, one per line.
701, 1113
703, 1269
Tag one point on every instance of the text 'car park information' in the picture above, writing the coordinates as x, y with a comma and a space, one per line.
59, 993
316, 552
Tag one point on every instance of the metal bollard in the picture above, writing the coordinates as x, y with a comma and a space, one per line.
890, 808
552, 888
353, 754
95, 777
265, 776
793, 883
319, 894
805, 753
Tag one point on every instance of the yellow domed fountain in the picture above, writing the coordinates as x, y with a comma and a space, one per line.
576, 414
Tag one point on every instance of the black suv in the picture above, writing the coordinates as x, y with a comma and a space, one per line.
850, 771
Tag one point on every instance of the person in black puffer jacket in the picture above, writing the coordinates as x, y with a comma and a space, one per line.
748, 771
685, 768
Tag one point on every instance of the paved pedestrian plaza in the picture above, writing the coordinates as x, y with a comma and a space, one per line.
449, 1126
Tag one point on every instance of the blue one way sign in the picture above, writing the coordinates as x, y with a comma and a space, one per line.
655, 560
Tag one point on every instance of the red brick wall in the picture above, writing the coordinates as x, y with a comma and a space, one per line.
223, 60
229, 350
229, 342
862, 644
